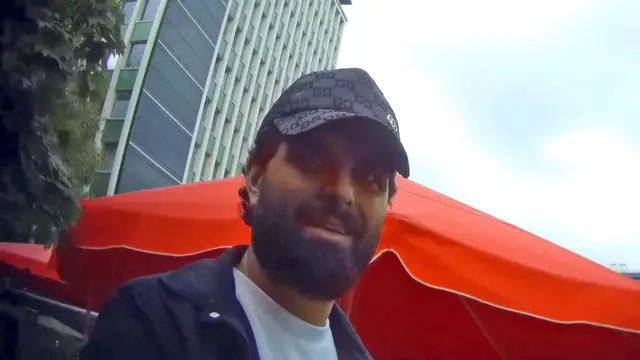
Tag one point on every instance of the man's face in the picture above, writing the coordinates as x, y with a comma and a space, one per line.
318, 208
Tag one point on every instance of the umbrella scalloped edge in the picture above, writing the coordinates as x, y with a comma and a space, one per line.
462, 294
407, 269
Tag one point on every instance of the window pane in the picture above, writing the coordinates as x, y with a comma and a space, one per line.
135, 56
119, 110
112, 61
182, 38
139, 173
109, 152
209, 14
171, 86
127, 10
205, 110
150, 9
160, 137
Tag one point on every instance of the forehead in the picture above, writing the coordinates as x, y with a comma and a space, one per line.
354, 137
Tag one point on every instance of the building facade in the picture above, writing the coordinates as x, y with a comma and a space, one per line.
187, 96
633, 275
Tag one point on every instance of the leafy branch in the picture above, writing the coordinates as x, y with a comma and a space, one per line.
53, 82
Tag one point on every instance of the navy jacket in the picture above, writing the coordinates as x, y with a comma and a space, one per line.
190, 314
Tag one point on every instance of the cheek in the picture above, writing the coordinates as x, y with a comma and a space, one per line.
281, 200
374, 212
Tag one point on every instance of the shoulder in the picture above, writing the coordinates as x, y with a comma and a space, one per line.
152, 288
133, 323
192, 283
156, 316
138, 292
136, 298
178, 292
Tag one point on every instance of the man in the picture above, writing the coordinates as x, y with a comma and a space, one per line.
318, 182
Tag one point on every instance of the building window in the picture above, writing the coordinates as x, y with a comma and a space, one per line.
150, 9
109, 152
205, 110
112, 61
120, 107
226, 82
127, 10
191, 177
135, 55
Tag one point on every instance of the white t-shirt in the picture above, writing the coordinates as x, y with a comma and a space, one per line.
279, 334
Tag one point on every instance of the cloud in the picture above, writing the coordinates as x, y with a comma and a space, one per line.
597, 189
504, 22
575, 182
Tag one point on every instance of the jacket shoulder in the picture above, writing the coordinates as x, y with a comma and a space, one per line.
141, 289
155, 295
137, 322
123, 329
149, 287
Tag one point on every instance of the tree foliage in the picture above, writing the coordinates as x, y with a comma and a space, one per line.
71, 128
52, 82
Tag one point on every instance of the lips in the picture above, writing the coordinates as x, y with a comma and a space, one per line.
333, 226
327, 215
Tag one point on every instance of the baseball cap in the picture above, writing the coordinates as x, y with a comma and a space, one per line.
321, 97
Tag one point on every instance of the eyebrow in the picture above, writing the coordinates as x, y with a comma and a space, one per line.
365, 154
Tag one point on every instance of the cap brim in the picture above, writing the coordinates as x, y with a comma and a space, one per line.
309, 120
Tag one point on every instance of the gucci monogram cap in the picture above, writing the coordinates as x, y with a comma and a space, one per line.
324, 96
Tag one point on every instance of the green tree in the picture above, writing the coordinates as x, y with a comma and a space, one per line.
72, 129
52, 84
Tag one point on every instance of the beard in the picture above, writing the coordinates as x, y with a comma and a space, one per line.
316, 267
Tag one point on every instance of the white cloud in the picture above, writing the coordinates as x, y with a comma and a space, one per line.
589, 200
598, 190
408, 22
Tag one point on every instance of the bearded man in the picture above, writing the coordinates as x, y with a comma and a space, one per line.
318, 182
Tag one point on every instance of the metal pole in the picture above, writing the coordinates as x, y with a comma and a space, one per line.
81, 311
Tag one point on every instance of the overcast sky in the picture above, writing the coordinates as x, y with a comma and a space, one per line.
528, 110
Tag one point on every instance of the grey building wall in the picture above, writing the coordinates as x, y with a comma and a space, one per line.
167, 112
187, 96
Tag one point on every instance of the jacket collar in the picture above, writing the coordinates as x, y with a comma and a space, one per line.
210, 285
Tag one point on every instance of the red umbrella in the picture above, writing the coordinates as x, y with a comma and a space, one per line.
449, 282
33, 266
31, 258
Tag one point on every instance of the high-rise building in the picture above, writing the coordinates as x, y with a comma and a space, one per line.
633, 275
186, 97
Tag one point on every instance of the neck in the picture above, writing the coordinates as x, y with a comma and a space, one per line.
315, 312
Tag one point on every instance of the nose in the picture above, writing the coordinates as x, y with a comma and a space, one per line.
341, 184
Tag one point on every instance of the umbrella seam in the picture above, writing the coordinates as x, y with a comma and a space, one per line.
482, 328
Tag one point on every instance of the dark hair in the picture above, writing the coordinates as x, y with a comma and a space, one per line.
265, 147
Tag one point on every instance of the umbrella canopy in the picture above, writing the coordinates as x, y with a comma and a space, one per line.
30, 258
448, 281
35, 267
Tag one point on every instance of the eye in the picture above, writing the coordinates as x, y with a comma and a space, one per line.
312, 164
307, 159
371, 179
375, 181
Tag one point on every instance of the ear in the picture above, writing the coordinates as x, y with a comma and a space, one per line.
253, 178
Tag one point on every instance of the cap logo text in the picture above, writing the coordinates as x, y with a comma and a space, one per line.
392, 122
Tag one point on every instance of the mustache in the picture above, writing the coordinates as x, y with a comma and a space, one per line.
324, 207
